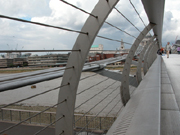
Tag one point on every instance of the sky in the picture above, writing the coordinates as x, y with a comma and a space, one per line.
16, 35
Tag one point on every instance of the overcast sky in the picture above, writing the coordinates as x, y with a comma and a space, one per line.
18, 35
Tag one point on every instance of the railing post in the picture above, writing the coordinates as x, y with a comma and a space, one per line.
100, 123
138, 72
2, 114
87, 124
125, 96
50, 117
77, 60
40, 118
19, 115
11, 115
29, 116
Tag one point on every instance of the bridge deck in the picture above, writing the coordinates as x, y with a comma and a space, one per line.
153, 109
170, 95
141, 115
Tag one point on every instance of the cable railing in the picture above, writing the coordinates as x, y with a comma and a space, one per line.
109, 87
31, 117
41, 24
2, 108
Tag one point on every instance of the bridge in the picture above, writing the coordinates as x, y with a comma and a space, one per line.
99, 101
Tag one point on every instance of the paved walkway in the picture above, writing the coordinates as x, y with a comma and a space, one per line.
170, 95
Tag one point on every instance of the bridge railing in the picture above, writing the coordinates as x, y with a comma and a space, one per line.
103, 93
17, 115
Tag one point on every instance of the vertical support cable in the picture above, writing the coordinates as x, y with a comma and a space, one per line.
125, 96
145, 66
72, 76
138, 72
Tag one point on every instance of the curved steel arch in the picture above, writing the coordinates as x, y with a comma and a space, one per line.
153, 54
77, 60
138, 72
125, 96
150, 55
145, 66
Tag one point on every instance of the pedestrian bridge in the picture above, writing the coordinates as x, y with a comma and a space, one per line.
104, 102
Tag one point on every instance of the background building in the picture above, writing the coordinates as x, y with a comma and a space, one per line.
6, 63
96, 48
45, 60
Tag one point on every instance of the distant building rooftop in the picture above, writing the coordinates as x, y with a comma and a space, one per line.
94, 46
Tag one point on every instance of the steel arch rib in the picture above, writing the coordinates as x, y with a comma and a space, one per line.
124, 90
77, 60
145, 67
150, 56
138, 72
154, 54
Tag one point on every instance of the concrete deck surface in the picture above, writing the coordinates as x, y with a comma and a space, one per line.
170, 95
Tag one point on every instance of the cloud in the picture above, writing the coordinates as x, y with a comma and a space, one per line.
23, 8
55, 12
170, 28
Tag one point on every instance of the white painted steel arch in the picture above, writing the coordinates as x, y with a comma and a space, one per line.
77, 60
145, 66
125, 96
150, 55
138, 72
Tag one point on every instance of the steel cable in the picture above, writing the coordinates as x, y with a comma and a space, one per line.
48, 125
120, 30
41, 24
95, 95
137, 13
40, 94
114, 40
97, 114
31, 117
93, 86
40, 73
117, 114
32, 96
107, 114
96, 104
127, 19
79, 8
10, 51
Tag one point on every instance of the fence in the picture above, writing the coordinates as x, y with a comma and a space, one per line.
43, 119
